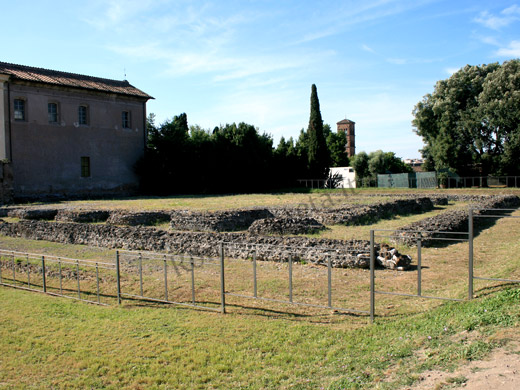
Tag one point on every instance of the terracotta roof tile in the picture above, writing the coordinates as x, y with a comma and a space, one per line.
47, 76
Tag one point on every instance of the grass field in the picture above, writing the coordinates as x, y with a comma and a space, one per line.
48, 342
325, 198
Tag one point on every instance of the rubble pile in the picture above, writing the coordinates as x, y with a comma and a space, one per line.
389, 257
136, 218
284, 226
82, 216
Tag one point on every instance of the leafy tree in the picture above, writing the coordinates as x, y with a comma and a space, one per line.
161, 169
336, 143
288, 165
499, 108
378, 162
470, 123
302, 146
318, 154
360, 164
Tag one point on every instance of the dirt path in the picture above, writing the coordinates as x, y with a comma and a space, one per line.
500, 371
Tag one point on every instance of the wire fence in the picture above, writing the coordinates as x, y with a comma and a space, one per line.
296, 283
433, 182
209, 283
176, 279
84, 280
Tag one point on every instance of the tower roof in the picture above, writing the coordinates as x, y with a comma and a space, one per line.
345, 121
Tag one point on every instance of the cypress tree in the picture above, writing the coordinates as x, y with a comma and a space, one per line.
318, 153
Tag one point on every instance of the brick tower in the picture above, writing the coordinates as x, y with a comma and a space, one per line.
349, 128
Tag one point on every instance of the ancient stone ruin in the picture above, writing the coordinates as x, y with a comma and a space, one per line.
427, 230
269, 233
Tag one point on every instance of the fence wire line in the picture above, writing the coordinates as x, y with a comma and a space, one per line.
145, 257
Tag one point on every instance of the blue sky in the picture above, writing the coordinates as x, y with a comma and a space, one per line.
255, 61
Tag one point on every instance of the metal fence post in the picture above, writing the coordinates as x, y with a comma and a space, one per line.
77, 277
419, 268
97, 282
329, 280
470, 262
140, 274
118, 278
14, 269
1, 263
192, 264
255, 291
372, 277
44, 282
165, 279
28, 272
222, 281
290, 279
61, 281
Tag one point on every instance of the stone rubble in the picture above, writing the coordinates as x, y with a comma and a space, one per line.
389, 257
357, 214
33, 213
82, 216
201, 233
342, 253
217, 221
455, 221
134, 218
285, 226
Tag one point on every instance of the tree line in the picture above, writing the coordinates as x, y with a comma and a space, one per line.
470, 123
235, 157
228, 159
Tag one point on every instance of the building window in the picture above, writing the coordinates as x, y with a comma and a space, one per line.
52, 110
83, 115
19, 109
125, 119
85, 166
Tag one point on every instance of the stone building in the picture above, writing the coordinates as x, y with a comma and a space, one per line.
348, 127
69, 134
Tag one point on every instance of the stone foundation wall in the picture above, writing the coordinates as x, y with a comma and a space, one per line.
229, 220
33, 213
144, 218
453, 221
82, 216
357, 214
343, 253
218, 221
284, 226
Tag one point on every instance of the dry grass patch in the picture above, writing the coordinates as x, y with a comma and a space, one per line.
313, 198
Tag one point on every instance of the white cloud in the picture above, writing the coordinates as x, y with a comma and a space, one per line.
513, 10
113, 13
490, 41
451, 71
367, 48
180, 62
355, 13
513, 50
496, 22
